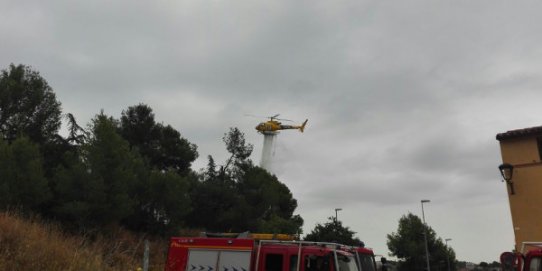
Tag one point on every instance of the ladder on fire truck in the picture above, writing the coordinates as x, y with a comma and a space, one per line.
255, 236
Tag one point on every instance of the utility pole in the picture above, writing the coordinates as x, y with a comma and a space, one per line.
447, 252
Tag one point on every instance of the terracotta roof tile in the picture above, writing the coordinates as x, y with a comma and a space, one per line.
532, 131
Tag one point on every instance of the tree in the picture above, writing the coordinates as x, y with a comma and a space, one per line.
112, 163
97, 187
210, 172
104, 182
495, 264
162, 146
277, 224
217, 195
55, 151
408, 244
162, 203
22, 181
216, 204
239, 151
138, 127
175, 152
333, 231
77, 193
269, 203
77, 135
240, 196
28, 106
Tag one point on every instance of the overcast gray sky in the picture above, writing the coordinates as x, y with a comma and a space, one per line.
404, 98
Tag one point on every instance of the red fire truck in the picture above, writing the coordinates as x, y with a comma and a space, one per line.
520, 261
263, 252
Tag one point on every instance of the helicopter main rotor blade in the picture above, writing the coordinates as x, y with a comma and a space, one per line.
250, 115
269, 117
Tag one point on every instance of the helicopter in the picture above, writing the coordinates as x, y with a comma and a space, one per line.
273, 125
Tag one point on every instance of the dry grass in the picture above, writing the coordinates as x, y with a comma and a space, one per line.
30, 244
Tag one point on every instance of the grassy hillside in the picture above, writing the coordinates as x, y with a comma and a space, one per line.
31, 244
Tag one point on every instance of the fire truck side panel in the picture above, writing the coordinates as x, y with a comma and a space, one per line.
202, 259
177, 256
209, 254
234, 261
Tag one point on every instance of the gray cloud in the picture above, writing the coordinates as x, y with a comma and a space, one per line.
403, 99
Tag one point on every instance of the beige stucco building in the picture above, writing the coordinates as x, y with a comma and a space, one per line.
522, 149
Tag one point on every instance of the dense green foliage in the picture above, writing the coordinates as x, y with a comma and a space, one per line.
21, 173
333, 231
133, 172
408, 244
162, 146
240, 196
28, 106
97, 188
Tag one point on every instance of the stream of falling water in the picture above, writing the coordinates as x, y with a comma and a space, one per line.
268, 151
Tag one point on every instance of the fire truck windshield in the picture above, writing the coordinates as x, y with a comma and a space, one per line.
535, 264
347, 263
366, 262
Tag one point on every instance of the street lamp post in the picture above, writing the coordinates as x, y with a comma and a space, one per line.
336, 210
425, 235
447, 252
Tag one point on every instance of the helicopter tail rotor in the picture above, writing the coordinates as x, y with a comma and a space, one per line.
302, 128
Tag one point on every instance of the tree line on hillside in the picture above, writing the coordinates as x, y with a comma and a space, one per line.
131, 171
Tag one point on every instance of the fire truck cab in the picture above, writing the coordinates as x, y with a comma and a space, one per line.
245, 254
530, 261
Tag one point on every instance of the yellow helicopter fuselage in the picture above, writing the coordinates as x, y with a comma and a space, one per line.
273, 126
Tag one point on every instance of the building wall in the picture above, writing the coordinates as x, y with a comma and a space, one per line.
525, 206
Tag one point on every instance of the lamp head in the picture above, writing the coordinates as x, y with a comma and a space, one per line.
506, 171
